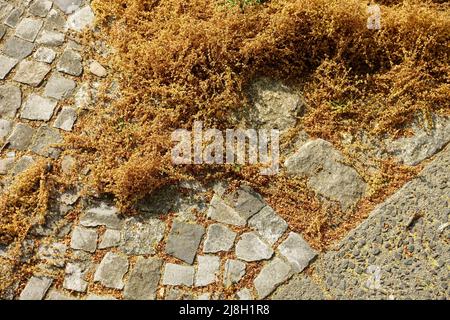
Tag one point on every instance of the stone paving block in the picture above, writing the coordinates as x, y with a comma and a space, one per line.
219, 211
207, 270
251, 248
14, 17
40, 8
144, 279
297, 251
59, 87
17, 48
5, 129
75, 277
38, 108
233, 272
111, 270
6, 65
68, 6
101, 215
268, 224
51, 38
274, 273
36, 288
31, 73
245, 201
218, 238
84, 239
178, 275
2, 31
44, 142
10, 100
55, 21
66, 119
29, 28
23, 164
5, 9
183, 240
141, 237
44, 54
70, 63
6, 165
323, 165
21, 137
111, 238
80, 19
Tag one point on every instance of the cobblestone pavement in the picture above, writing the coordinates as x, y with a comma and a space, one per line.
233, 241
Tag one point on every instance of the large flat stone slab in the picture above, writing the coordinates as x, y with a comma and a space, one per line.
326, 173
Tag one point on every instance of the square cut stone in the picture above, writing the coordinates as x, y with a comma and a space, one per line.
268, 224
178, 275
297, 251
17, 48
44, 54
38, 108
21, 137
51, 38
183, 240
111, 270
10, 100
218, 238
84, 239
36, 288
70, 63
14, 17
40, 8
29, 28
31, 73
6, 65
45, 142
66, 119
59, 87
